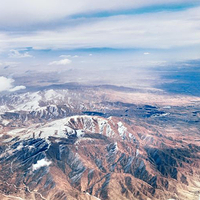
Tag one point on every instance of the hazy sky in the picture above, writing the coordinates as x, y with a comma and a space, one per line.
49, 35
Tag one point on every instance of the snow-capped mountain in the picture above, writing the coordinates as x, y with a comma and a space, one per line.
62, 144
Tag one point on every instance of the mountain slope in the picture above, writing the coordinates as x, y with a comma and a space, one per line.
101, 150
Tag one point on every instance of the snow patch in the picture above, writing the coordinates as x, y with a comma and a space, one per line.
80, 133
167, 107
20, 146
137, 152
57, 128
116, 147
3, 109
122, 130
92, 196
29, 102
5, 122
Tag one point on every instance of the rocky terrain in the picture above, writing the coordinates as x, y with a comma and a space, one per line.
99, 143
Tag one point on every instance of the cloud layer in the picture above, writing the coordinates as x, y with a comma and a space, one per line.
30, 12
157, 30
16, 54
6, 84
61, 62
36, 35
20, 87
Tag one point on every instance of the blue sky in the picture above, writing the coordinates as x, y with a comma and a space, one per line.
53, 35
171, 7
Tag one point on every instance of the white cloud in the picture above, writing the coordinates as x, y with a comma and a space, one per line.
22, 12
16, 54
146, 53
153, 30
61, 62
68, 56
65, 56
11, 63
6, 84
41, 163
20, 87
